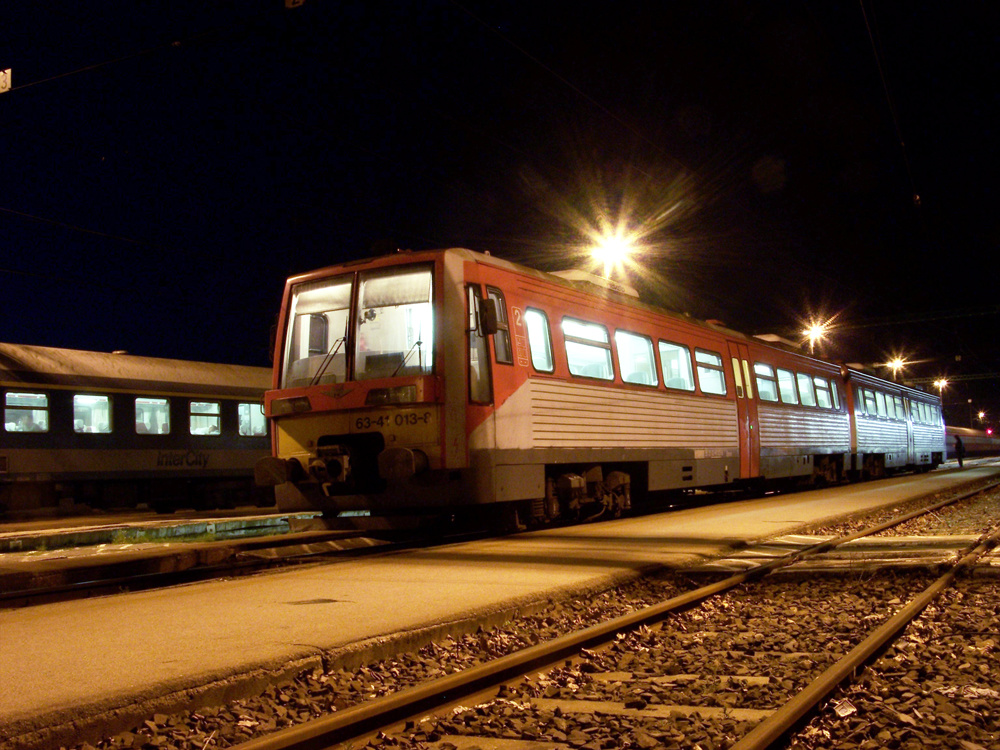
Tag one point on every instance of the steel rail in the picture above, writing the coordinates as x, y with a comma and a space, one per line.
357, 720
786, 718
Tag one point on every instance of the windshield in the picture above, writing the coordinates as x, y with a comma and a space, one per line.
395, 324
392, 334
315, 351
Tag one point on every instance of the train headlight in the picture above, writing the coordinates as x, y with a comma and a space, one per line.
281, 407
402, 394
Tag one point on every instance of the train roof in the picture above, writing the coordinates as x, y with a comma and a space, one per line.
22, 364
579, 281
613, 292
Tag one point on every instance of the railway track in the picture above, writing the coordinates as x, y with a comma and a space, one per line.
702, 669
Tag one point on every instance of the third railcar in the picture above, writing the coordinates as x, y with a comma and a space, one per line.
975, 442
116, 430
453, 378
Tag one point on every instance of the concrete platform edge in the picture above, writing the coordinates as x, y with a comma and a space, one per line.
92, 723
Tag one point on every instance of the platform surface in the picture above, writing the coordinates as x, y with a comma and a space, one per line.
83, 657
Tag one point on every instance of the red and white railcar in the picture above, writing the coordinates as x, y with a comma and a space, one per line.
451, 378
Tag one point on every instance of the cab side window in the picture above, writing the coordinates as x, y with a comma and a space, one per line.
501, 339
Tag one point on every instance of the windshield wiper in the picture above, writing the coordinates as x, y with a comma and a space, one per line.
406, 357
328, 359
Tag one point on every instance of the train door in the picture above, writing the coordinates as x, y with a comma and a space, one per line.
480, 411
911, 437
746, 410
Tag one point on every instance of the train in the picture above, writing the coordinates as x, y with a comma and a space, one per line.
976, 442
113, 430
453, 380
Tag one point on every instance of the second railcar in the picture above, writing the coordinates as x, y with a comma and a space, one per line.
116, 430
453, 378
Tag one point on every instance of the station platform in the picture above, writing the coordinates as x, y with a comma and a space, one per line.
111, 661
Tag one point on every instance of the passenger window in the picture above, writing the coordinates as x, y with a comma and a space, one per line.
539, 341
807, 391
870, 406
26, 412
252, 420
501, 339
675, 361
588, 351
767, 385
205, 419
836, 396
152, 416
880, 403
635, 357
710, 374
92, 414
786, 387
823, 397
900, 411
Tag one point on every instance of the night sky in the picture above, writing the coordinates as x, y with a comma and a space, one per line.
166, 165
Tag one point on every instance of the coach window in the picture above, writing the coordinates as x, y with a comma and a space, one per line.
252, 419
539, 341
635, 357
710, 375
807, 391
890, 406
205, 419
501, 339
900, 410
479, 353
675, 361
588, 352
823, 397
880, 404
786, 387
92, 414
870, 406
152, 416
26, 412
767, 385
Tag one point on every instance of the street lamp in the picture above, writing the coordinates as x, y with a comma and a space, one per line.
613, 251
814, 333
896, 365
